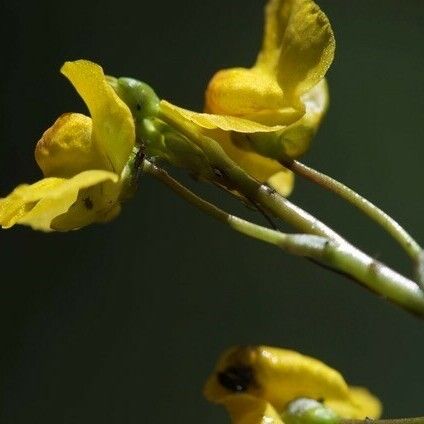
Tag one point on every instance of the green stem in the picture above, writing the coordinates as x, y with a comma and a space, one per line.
412, 248
344, 258
419, 269
292, 214
417, 420
336, 254
299, 244
184, 192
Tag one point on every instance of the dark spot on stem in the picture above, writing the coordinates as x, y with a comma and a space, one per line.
219, 173
268, 190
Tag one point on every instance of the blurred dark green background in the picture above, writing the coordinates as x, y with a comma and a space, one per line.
122, 323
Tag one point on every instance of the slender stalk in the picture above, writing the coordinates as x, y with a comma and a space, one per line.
299, 244
411, 247
336, 254
419, 270
184, 192
344, 258
292, 214
416, 420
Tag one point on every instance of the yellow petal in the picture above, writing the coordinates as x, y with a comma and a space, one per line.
18, 203
366, 404
279, 376
298, 44
67, 147
84, 197
247, 93
259, 167
282, 182
113, 125
294, 140
246, 409
210, 121
362, 404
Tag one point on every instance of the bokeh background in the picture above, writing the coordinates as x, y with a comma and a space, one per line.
122, 323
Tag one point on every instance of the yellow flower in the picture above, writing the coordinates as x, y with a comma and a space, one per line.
270, 112
82, 159
255, 380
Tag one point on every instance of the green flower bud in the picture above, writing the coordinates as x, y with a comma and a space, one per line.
139, 97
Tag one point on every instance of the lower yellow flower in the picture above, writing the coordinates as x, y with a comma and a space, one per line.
248, 380
82, 159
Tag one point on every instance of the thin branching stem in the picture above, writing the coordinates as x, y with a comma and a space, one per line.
406, 241
338, 254
334, 253
416, 420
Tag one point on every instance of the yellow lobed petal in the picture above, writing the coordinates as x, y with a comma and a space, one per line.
211, 121
18, 203
294, 140
279, 376
246, 409
113, 125
298, 45
248, 93
62, 204
67, 147
259, 167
